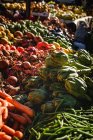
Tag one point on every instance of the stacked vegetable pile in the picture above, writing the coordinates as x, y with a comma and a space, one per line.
67, 81
15, 6
24, 33
67, 125
65, 12
39, 69
67, 84
13, 118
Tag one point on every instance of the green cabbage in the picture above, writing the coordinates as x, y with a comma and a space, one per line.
77, 87
65, 72
84, 57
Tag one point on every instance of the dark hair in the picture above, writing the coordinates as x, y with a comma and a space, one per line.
71, 26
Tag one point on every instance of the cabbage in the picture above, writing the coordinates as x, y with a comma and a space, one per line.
65, 72
37, 96
77, 87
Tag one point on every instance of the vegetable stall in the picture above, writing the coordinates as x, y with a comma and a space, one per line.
46, 86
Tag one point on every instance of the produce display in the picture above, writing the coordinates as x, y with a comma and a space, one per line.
64, 12
46, 87
15, 6
72, 124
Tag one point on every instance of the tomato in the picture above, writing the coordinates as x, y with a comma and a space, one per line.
21, 49
12, 47
7, 47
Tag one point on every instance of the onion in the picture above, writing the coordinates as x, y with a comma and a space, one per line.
4, 64
26, 65
33, 57
12, 80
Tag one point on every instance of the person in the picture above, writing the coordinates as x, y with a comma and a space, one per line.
80, 34
89, 38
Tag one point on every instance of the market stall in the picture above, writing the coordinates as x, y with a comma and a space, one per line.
46, 85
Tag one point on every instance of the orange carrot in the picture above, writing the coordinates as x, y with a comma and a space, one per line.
18, 118
15, 125
21, 107
1, 110
27, 118
5, 113
0, 104
4, 102
6, 137
1, 134
3, 94
19, 134
1, 121
8, 130
10, 106
21, 128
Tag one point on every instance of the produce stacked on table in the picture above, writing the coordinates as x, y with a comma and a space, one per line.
64, 12
4, 20
13, 117
67, 81
67, 125
39, 69
25, 33
15, 6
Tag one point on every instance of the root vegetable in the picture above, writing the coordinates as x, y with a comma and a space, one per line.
4, 102
18, 118
4, 64
27, 118
6, 137
26, 65
12, 80
3, 94
21, 107
1, 121
5, 113
10, 106
15, 125
19, 134
8, 130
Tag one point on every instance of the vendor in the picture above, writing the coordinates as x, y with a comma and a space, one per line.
89, 38
80, 35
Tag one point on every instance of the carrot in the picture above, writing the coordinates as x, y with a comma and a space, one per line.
8, 130
21, 107
21, 128
19, 134
15, 125
4, 102
1, 134
5, 113
0, 104
6, 137
27, 118
1, 121
3, 94
18, 118
10, 106
1, 110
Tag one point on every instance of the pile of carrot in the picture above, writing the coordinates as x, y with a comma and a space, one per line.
20, 114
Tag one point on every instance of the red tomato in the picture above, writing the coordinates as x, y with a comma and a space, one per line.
3, 47
12, 47
7, 47
20, 49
